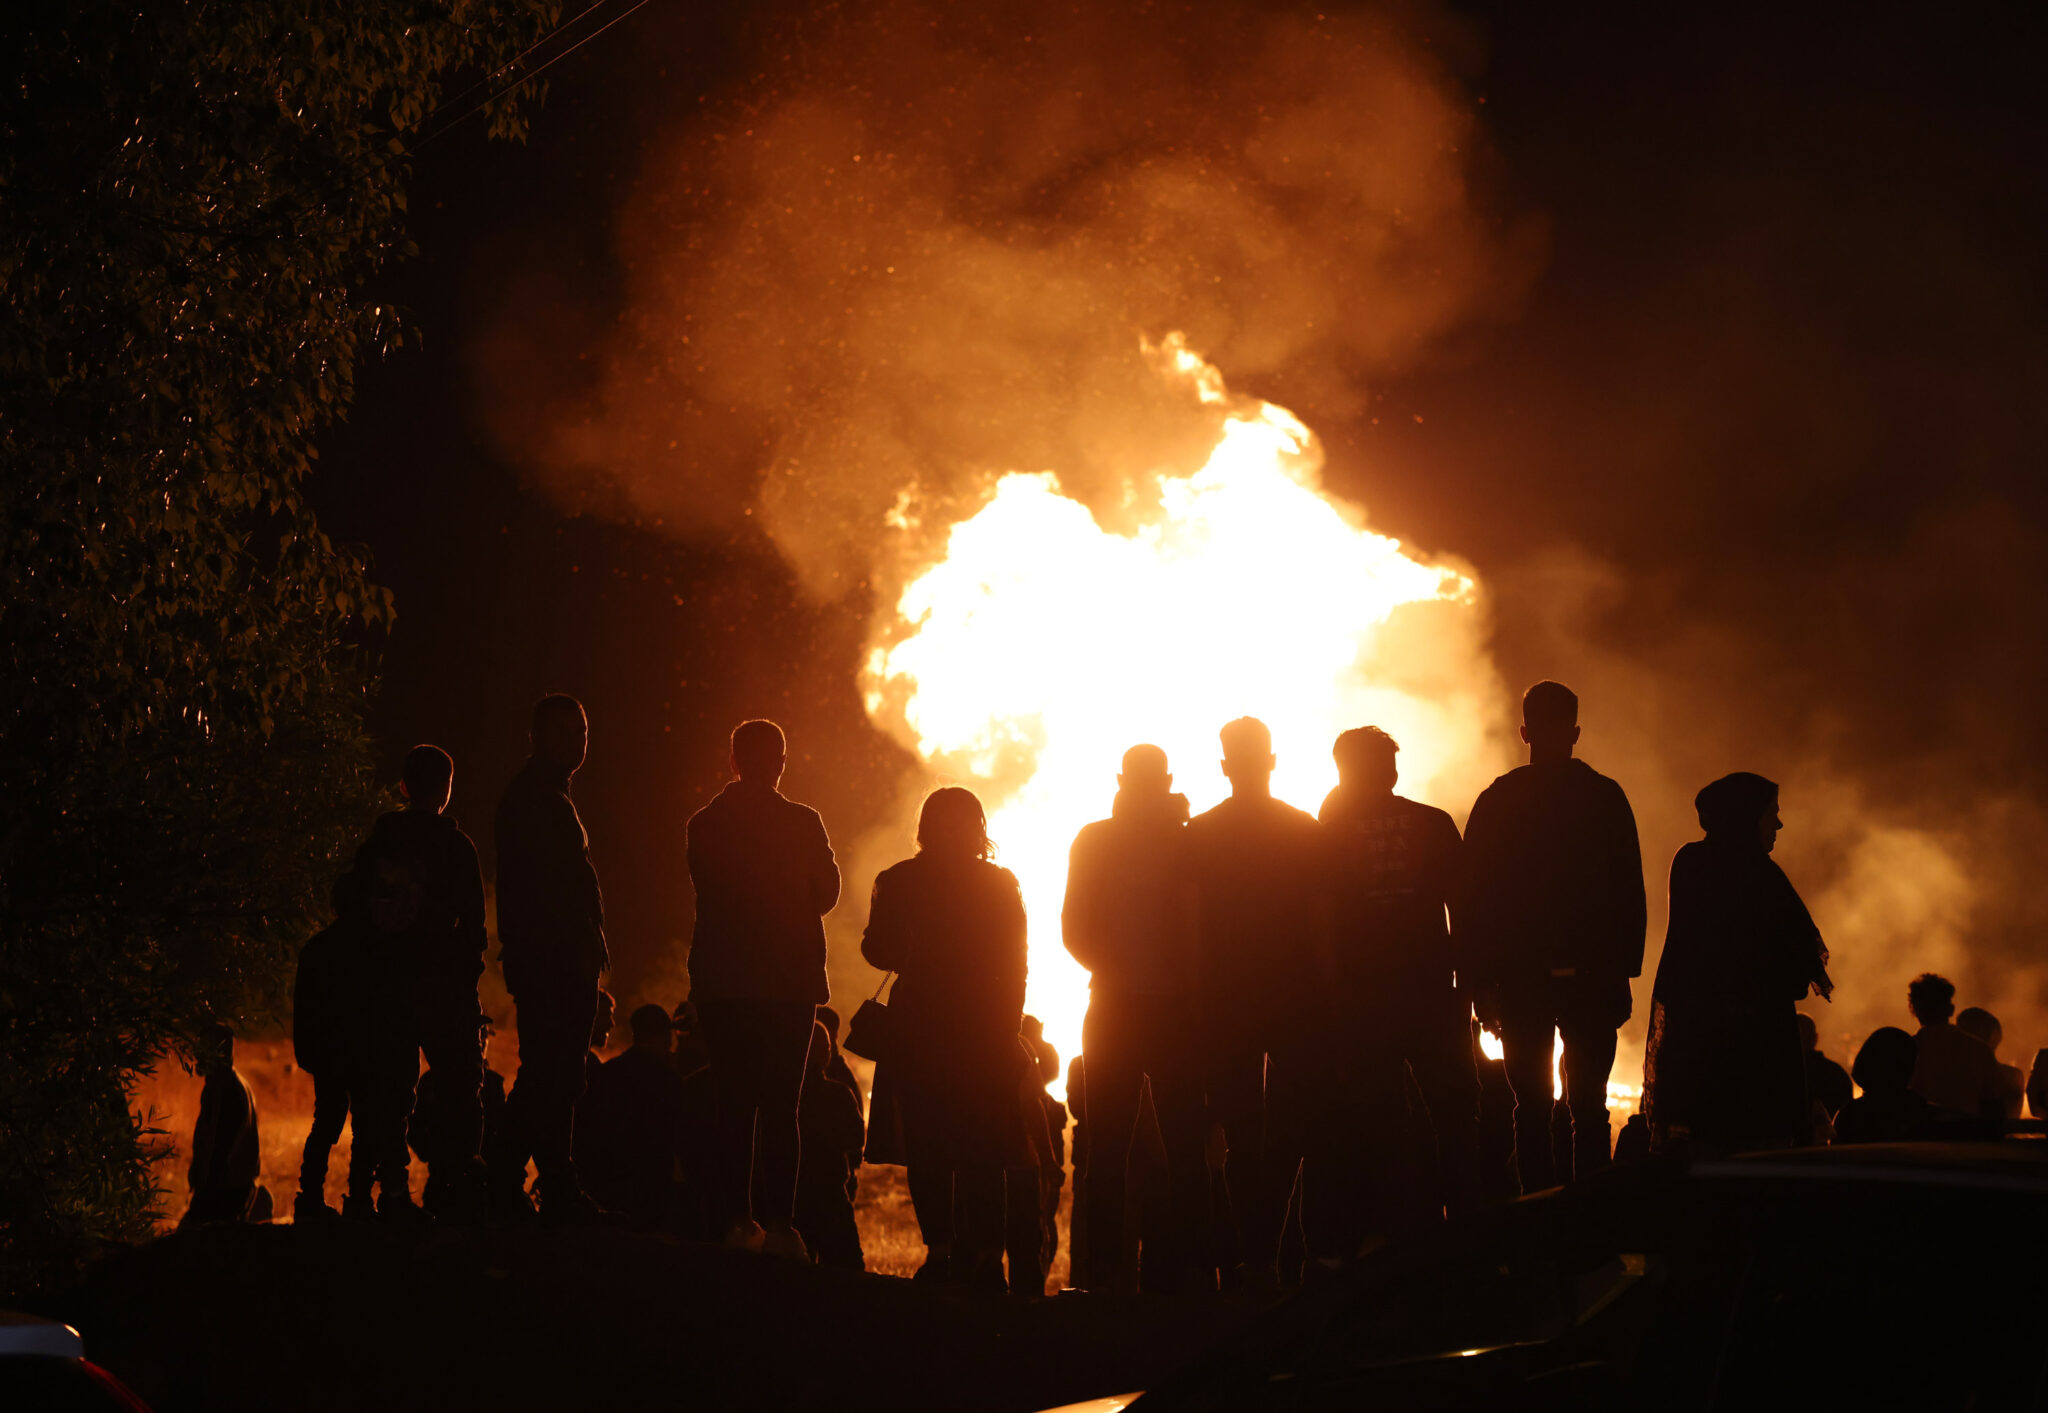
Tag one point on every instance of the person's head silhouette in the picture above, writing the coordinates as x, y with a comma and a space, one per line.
215, 1052
427, 779
820, 1054
1740, 809
607, 1011
1980, 1024
1931, 998
1550, 721
1365, 761
952, 825
653, 1031
758, 752
1885, 1063
561, 732
1248, 758
1145, 774
1809, 1033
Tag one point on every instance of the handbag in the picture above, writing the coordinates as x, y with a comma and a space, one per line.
872, 1033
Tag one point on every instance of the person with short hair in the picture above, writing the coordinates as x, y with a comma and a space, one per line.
1980, 1024
421, 891
1724, 1070
1260, 870
1887, 1111
1396, 864
1551, 917
950, 923
765, 877
628, 1121
1954, 1071
551, 947
1129, 918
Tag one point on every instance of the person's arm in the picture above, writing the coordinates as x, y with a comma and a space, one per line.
824, 868
1079, 929
580, 889
885, 942
1631, 906
1474, 936
1014, 945
205, 1138
1446, 851
469, 912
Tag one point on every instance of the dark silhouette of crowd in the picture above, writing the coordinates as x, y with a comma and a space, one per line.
1281, 1059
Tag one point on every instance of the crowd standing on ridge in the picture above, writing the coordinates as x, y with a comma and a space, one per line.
1281, 1059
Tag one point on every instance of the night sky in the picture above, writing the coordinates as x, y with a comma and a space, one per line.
1755, 459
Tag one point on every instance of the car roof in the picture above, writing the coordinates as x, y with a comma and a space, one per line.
22, 1333
2017, 1165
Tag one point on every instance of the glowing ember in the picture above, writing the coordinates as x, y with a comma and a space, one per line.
1040, 646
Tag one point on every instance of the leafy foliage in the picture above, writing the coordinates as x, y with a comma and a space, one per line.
194, 200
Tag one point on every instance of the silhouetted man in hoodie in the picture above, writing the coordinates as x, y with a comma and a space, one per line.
1550, 920
552, 949
765, 878
1396, 865
1261, 876
1129, 918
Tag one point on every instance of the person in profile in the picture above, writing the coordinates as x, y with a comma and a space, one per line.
2010, 1086
1550, 917
1887, 1111
834, 1133
1827, 1083
418, 889
1396, 865
1955, 1072
552, 951
635, 1110
226, 1151
765, 877
1724, 1070
950, 924
1129, 918
1262, 956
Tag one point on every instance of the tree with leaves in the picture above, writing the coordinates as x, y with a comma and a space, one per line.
195, 200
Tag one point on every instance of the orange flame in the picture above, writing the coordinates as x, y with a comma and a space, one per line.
1041, 645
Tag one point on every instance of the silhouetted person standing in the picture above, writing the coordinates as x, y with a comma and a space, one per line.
1129, 918
1887, 1111
1261, 875
1550, 918
1396, 866
950, 924
420, 890
1980, 1024
765, 878
1827, 1083
1954, 1072
1725, 1069
226, 1153
330, 1042
552, 950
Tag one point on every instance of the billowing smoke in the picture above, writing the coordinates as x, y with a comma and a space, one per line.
922, 246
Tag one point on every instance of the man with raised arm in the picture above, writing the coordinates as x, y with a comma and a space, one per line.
1550, 920
765, 878
551, 946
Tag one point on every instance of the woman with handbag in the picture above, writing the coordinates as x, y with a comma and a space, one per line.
950, 924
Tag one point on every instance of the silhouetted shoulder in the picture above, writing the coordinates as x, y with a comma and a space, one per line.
1428, 815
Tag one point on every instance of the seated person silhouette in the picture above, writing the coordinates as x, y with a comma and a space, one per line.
1888, 1111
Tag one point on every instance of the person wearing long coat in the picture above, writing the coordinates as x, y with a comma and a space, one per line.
1725, 1069
950, 924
